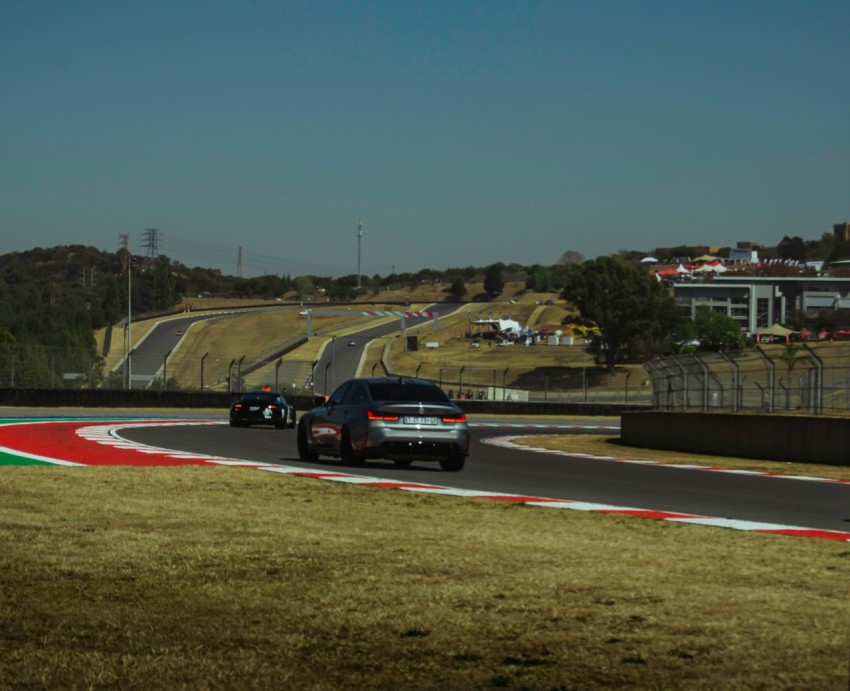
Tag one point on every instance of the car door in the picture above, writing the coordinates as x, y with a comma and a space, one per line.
342, 413
353, 410
325, 420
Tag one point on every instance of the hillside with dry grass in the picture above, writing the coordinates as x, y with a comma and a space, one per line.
445, 353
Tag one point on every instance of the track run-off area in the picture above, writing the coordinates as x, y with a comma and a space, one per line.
102, 441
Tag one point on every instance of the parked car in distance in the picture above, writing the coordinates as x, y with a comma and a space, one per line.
262, 408
402, 419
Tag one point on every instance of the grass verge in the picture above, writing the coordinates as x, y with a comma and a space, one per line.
224, 578
597, 445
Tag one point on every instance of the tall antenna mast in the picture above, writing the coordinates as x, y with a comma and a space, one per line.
359, 238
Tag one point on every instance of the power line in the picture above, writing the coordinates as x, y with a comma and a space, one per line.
194, 254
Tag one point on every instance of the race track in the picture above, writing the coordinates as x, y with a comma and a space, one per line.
497, 469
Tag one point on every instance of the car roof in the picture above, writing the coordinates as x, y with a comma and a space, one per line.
393, 380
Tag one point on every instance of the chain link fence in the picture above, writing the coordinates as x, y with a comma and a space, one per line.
545, 384
795, 377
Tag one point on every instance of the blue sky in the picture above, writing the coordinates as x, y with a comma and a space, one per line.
461, 133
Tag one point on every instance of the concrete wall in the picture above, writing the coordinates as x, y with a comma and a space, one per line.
774, 437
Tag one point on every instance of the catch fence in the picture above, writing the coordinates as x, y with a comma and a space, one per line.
282, 368
773, 379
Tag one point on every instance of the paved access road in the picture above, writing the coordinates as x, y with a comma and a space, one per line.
340, 359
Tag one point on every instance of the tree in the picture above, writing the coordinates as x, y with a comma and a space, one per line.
303, 286
571, 257
626, 302
839, 250
494, 281
792, 248
539, 279
717, 331
458, 287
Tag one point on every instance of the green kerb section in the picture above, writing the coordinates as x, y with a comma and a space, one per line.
19, 420
11, 459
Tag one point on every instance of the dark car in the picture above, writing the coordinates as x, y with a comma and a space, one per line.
399, 418
262, 408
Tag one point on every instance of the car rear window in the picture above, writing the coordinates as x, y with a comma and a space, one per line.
260, 398
406, 391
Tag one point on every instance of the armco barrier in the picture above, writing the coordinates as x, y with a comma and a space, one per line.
796, 438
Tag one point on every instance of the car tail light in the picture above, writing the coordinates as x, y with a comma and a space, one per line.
237, 405
454, 418
385, 417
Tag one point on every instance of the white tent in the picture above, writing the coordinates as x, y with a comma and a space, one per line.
712, 268
500, 325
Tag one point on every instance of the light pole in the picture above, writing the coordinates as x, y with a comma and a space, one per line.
129, 321
165, 371
333, 359
359, 238
203, 357
239, 375
129, 360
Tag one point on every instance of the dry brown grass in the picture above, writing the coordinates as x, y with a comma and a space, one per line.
597, 445
490, 365
234, 578
257, 333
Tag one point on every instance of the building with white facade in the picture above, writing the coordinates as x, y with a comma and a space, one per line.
761, 301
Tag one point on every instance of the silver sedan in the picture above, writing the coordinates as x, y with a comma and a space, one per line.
399, 418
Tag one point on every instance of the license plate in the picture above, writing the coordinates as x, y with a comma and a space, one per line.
419, 420
254, 408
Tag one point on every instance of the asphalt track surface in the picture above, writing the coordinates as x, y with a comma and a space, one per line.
337, 363
494, 466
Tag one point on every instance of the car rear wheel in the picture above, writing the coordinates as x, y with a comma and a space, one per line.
234, 423
454, 462
346, 450
304, 451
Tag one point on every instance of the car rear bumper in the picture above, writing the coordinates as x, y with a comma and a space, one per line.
253, 419
387, 443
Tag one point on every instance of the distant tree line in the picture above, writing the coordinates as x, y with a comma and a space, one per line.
52, 300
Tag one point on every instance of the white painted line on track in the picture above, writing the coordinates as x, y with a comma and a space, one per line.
507, 442
113, 436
